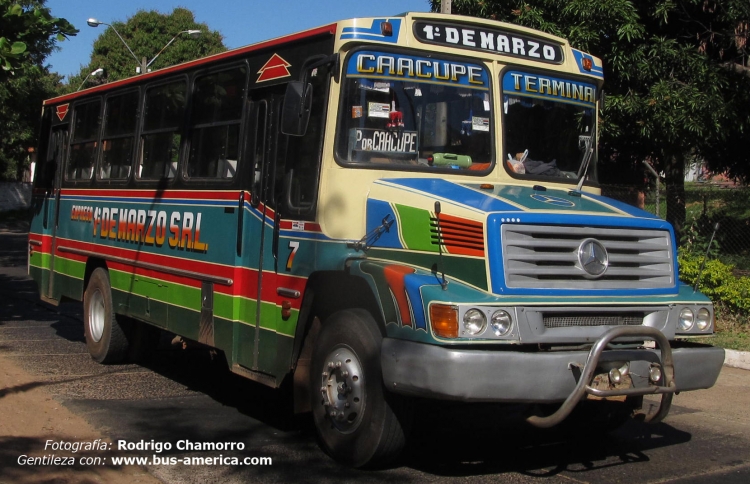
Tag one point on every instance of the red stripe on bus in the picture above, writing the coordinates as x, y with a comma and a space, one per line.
245, 279
154, 194
45, 240
309, 226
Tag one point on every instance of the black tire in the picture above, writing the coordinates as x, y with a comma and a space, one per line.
106, 338
358, 423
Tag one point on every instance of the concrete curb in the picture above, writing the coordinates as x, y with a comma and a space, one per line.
737, 359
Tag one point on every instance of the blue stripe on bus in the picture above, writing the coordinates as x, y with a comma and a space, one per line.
374, 32
452, 192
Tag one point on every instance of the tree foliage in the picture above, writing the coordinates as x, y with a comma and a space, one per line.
21, 99
675, 77
147, 32
28, 33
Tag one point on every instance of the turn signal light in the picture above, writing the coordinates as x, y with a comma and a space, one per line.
444, 320
386, 28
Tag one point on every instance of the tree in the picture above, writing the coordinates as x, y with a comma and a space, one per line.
21, 99
675, 81
147, 32
28, 34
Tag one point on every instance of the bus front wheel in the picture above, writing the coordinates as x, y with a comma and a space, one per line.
358, 422
105, 337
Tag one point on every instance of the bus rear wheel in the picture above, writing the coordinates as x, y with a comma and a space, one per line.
358, 423
105, 337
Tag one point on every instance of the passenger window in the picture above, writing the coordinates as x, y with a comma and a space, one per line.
119, 136
163, 113
85, 141
217, 113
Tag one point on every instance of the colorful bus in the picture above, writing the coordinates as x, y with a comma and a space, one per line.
371, 213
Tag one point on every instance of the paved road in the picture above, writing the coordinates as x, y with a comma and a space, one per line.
185, 395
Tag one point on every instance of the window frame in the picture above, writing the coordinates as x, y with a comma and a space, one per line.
72, 141
594, 163
180, 129
135, 135
242, 123
341, 117
288, 207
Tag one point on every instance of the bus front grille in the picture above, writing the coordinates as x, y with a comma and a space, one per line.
547, 257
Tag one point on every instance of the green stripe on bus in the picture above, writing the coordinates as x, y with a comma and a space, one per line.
233, 308
414, 224
71, 268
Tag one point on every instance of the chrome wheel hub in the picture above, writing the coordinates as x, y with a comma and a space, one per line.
96, 315
343, 390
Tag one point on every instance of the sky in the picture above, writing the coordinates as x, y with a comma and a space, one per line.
241, 22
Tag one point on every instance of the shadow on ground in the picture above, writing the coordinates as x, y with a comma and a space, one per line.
448, 440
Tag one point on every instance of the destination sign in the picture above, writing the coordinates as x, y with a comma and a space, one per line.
547, 87
488, 40
383, 141
420, 69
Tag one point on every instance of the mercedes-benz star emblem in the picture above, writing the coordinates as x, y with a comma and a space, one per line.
593, 257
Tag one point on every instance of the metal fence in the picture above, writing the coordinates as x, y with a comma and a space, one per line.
706, 203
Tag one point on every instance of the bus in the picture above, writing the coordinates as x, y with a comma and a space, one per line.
374, 213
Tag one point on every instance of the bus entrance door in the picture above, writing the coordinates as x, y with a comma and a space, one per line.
52, 178
255, 343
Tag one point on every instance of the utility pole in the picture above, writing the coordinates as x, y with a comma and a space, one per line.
445, 6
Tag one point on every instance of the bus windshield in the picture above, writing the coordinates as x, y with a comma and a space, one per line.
413, 113
550, 127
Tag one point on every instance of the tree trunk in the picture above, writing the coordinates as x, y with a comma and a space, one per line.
674, 169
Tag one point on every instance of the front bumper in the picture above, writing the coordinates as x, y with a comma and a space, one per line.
508, 374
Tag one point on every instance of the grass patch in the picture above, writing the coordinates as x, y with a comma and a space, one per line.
731, 340
731, 331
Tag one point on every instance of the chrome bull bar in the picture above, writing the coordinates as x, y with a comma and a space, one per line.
592, 362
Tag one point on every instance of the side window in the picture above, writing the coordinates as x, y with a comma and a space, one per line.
85, 141
164, 109
304, 152
119, 136
218, 100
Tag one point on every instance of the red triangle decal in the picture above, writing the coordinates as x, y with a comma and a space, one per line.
275, 68
62, 111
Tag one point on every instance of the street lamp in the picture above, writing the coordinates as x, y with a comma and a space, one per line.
96, 73
194, 34
142, 64
95, 23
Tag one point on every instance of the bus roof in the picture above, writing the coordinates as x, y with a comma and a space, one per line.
327, 29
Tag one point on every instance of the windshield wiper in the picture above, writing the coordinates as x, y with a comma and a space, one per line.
587, 141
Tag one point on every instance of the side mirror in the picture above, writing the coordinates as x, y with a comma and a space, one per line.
296, 112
